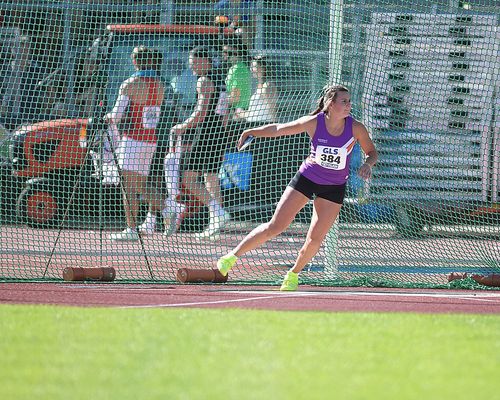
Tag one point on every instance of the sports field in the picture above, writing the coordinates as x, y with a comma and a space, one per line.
192, 351
375, 316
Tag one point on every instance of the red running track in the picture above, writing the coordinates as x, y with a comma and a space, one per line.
308, 298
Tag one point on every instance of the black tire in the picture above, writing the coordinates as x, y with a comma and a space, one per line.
38, 208
409, 222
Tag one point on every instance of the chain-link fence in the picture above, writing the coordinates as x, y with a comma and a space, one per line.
117, 152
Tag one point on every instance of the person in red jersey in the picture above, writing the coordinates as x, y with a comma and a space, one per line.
136, 115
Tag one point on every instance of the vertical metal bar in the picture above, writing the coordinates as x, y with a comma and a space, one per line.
259, 28
335, 41
334, 78
495, 173
356, 86
69, 60
167, 11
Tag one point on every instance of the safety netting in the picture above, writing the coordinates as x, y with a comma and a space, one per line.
120, 120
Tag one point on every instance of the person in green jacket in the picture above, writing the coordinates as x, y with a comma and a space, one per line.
238, 82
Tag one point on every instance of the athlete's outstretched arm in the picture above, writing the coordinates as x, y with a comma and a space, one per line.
300, 125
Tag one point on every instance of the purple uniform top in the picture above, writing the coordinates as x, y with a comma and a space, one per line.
328, 162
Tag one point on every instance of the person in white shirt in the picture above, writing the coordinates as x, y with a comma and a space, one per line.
263, 102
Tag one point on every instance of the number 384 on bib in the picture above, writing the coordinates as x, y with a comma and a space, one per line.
331, 157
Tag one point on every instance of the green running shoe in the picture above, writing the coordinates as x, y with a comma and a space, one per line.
225, 263
290, 283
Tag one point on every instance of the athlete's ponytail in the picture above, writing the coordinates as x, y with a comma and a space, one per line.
328, 95
319, 107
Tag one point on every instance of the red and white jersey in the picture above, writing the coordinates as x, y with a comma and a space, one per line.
142, 115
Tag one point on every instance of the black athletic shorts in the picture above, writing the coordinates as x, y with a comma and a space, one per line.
207, 152
308, 188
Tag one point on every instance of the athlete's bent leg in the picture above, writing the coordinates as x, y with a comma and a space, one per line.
291, 202
324, 215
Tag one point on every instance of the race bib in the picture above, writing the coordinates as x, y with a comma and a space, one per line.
150, 117
331, 157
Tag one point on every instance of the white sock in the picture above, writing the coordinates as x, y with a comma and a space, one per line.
215, 208
171, 207
180, 207
150, 219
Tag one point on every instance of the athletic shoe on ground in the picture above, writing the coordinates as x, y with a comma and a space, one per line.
128, 235
290, 283
215, 225
173, 221
147, 228
225, 263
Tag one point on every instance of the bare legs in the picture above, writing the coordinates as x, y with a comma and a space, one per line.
212, 183
191, 180
206, 191
135, 184
324, 215
210, 195
291, 202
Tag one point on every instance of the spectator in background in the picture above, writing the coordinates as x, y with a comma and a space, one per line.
238, 84
204, 159
137, 113
184, 86
263, 103
237, 14
22, 99
239, 78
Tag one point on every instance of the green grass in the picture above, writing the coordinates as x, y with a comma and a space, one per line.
87, 353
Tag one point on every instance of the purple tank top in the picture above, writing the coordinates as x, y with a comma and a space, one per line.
328, 162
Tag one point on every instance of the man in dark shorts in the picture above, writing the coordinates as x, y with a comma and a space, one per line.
206, 155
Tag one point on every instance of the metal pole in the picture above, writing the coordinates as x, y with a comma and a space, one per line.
335, 42
69, 60
334, 78
167, 11
259, 43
